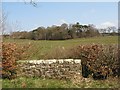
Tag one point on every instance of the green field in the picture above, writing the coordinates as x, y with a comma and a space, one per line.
40, 48
54, 83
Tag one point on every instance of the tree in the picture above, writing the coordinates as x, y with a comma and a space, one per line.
77, 29
39, 33
32, 2
111, 29
3, 21
71, 33
64, 26
49, 33
92, 31
62, 32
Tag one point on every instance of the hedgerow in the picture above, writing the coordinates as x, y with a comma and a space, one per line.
11, 52
98, 60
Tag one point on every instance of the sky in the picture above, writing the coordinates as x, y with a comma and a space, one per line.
25, 17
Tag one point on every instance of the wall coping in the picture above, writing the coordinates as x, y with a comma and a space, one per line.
50, 61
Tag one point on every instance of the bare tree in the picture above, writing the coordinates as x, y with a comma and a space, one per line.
32, 2
111, 29
3, 21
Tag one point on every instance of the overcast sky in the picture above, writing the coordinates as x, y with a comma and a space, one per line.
27, 17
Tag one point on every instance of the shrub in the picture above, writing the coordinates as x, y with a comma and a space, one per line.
11, 52
99, 60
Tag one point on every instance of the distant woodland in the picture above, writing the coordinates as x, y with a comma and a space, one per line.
63, 32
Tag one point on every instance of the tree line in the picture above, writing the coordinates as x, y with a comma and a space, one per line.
62, 32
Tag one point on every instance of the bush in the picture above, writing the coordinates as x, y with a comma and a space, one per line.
98, 60
11, 52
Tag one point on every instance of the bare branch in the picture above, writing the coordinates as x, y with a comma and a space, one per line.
33, 3
3, 22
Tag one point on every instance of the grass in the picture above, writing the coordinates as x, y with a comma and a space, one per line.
40, 48
36, 83
23, 82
